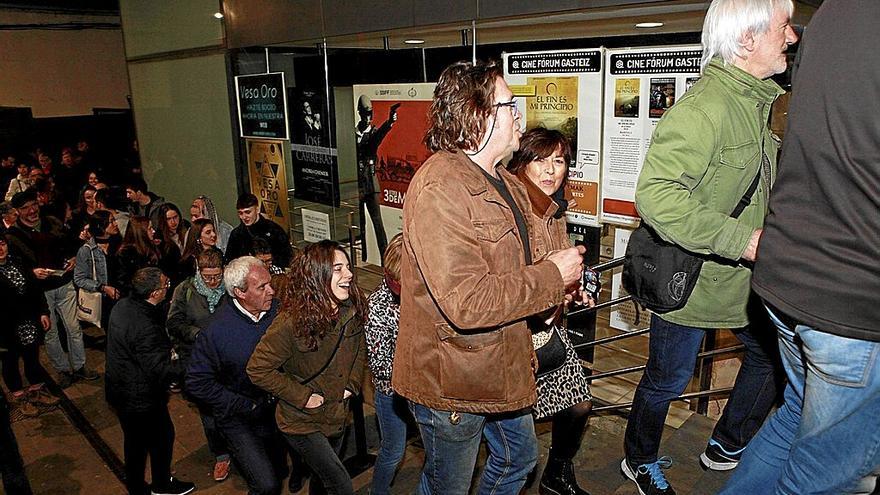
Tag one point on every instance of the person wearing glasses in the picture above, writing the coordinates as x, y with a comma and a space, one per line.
193, 304
468, 283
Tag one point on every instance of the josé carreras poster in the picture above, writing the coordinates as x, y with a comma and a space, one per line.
390, 124
640, 85
315, 164
562, 90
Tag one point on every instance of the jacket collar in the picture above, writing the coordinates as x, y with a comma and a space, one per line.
740, 81
542, 205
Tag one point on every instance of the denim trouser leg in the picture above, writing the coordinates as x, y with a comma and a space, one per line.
321, 454
755, 390
391, 411
216, 441
62, 303
450, 450
825, 439
513, 452
258, 455
672, 354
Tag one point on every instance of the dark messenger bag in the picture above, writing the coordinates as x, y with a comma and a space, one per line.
660, 275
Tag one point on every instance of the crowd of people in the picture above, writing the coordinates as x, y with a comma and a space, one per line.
465, 335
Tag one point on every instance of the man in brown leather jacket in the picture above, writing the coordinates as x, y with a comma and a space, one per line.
463, 357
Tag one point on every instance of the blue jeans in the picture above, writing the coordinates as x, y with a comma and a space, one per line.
672, 355
321, 454
826, 436
258, 452
62, 303
391, 411
451, 451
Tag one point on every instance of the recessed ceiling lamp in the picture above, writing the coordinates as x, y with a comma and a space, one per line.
218, 15
414, 41
648, 25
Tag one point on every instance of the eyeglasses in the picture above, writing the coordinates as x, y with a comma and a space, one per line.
212, 278
511, 105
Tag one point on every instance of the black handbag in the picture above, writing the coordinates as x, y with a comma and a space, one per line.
660, 275
551, 355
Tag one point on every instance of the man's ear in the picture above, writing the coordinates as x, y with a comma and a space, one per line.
747, 41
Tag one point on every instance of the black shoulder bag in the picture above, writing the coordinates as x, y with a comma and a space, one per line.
660, 275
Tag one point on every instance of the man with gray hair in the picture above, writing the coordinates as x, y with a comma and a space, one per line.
139, 370
711, 151
217, 377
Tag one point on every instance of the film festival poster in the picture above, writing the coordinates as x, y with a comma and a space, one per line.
626, 97
402, 151
662, 96
554, 106
315, 172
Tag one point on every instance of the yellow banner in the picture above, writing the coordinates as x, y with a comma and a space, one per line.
268, 179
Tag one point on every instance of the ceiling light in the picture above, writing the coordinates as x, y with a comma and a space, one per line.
414, 41
648, 25
218, 15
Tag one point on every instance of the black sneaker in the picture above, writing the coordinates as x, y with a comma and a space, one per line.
718, 459
648, 477
173, 487
86, 374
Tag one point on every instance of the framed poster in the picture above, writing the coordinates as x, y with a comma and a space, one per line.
262, 106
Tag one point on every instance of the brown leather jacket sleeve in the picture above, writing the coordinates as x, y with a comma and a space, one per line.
450, 257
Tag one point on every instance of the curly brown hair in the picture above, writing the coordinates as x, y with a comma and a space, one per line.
463, 100
308, 298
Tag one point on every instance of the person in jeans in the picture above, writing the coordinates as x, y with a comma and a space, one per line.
468, 282
243, 413
817, 269
47, 248
312, 359
381, 332
92, 271
705, 154
193, 304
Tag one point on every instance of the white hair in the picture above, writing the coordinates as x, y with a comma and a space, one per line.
728, 21
236, 272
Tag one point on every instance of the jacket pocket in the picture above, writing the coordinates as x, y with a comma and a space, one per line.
491, 230
471, 366
740, 155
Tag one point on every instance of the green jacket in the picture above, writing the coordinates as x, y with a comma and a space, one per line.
704, 153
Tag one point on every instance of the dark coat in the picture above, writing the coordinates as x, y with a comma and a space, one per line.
188, 316
47, 247
17, 308
139, 366
216, 375
241, 241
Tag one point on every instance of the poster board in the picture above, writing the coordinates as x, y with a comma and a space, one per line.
315, 163
262, 106
640, 85
388, 158
268, 180
562, 90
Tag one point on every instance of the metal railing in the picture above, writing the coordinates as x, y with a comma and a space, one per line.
705, 358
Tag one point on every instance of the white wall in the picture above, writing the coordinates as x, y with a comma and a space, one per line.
61, 73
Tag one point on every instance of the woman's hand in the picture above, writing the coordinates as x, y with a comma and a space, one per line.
111, 292
314, 401
46, 322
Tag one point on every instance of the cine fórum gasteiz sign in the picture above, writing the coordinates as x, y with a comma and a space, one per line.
262, 106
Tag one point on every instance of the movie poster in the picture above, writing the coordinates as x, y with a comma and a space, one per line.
662, 96
626, 97
391, 122
268, 180
641, 84
315, 165
562, 90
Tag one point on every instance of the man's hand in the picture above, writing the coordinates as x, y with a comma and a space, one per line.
70, 264
751, 251
41, 273
46, 322
570, 263
111, 292
314, 401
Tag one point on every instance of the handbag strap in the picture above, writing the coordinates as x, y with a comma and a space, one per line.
747, 197
332, 355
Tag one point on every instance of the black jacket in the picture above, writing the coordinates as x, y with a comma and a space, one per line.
241, 241
139, 366
47, 247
